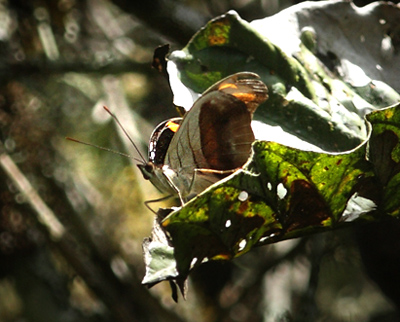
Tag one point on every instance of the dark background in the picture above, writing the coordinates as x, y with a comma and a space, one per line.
61, 61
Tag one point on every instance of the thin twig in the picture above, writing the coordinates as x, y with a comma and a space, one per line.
44, 213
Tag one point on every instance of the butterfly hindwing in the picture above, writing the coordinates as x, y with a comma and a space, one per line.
215, 134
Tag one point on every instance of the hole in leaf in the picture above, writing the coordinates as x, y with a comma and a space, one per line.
194, 261
281, 191
242, 245
243, 196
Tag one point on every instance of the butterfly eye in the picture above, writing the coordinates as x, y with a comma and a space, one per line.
149, 167
147, 170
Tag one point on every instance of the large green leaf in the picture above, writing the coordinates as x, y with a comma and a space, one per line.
283, 192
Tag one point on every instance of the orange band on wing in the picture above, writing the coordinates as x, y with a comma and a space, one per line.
172, 126
245, 97
228, 85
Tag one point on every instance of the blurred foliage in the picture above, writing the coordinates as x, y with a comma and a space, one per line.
72, 217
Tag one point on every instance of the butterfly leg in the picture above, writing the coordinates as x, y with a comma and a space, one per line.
147, 202
175, 188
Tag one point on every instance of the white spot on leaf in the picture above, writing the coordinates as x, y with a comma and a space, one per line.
243, 195
242, 245
357, 206
281, 191
194, 261
263, 239
387, 49
228, 223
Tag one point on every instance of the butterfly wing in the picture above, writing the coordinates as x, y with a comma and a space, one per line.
161, 139
245, 86
216, 133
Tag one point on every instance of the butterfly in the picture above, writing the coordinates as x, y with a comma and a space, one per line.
211, 141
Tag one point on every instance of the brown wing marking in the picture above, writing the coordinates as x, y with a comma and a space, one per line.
225, 132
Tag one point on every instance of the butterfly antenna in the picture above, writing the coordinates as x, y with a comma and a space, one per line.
126, 133
104, 149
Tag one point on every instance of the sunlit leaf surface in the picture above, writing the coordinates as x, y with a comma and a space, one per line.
305, 98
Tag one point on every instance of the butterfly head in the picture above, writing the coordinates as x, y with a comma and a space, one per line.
155, 170
147, 170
